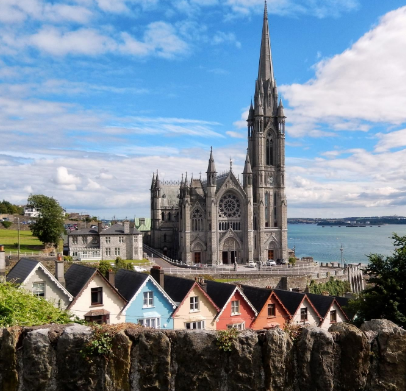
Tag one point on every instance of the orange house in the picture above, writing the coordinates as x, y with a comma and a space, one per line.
271, 311
236, 311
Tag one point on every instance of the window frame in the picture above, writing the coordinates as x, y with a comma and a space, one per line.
271, 310
117, 251
38, 292
195, 325
303, 314
235, 305
147, 322
99, 291
108, 239
238, 326
333, 314
148, 299
194, 303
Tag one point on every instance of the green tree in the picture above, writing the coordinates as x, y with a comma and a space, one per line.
104, 267
48, 227
385, 297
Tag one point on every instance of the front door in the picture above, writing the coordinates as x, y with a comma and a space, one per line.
197, 257
225, 257
233, 255
270, 254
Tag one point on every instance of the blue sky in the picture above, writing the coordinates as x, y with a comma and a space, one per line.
95, 95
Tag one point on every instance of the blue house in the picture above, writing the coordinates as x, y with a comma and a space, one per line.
148, 304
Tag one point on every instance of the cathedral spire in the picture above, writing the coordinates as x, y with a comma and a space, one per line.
265, 70
211, 168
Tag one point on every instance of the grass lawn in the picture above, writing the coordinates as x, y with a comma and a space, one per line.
28, 242
229, 279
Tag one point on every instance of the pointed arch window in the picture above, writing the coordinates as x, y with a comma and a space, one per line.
197, 220
269, 150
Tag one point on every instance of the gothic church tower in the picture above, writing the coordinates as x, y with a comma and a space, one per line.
266, 151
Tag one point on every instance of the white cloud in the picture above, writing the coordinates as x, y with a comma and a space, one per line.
92, 185
242, 123
235, 134
221, 37
364, 83
65, 180
396, 139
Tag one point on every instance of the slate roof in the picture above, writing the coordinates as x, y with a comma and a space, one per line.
291, 300
177, 287
21, 270
257, 296
118, 229
219, 292
77, 277
87, 231
321, 303
128, 282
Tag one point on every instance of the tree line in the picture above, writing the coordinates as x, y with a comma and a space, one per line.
7, 207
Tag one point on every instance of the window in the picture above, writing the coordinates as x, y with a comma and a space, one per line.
271, 310
238, 326
235, 307
197, 220
195, 325
303, 314
117, 251
154, 323
95, 240
194, 303
148, 299
75, 240
97, 295
108, 239
333, 316
84, 239
108, 251
121, 239
269, 151
38, 289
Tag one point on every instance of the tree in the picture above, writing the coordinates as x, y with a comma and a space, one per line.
385, 297
49, 226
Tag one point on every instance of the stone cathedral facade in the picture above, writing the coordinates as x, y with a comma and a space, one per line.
220, 220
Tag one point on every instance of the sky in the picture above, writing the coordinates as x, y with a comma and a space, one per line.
96, 95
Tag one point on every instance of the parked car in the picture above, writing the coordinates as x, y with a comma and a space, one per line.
270, 262
139, 269
281, 261
251, 264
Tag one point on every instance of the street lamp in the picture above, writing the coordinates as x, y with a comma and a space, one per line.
342, 250
18, 254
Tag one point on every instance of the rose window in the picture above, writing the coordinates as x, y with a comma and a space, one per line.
229, 206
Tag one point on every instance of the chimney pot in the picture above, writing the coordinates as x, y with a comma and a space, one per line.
99, 226
111, 276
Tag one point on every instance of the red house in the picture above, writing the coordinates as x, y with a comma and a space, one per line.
236, 311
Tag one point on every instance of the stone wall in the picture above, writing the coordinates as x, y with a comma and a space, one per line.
344, 359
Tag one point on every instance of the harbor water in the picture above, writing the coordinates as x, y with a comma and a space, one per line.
323, 243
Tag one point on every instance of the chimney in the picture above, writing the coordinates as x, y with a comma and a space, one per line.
158, 275
60, 269
111, 276
2, 262
202, 283
99, 226
126, 227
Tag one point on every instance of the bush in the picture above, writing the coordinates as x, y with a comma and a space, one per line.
292, 261
104, 267
67, 258
19, 307
6, 224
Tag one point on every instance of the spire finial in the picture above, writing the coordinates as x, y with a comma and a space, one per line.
266, 10
231, 164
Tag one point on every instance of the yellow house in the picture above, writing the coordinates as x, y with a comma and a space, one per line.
95, 298
196, 310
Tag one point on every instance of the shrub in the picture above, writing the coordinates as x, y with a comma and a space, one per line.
6, 224
67, 258
292, 261
226, 338
333, 287
19, 307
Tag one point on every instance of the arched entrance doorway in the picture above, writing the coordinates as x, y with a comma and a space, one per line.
230, 252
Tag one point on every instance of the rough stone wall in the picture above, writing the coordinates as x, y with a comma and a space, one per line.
346, 358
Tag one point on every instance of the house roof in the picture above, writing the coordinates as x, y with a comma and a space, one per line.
25, 267
321, 302
177, 288
257, 296
219, 292
143, 224
291, 300
86, 231
128, 282
77, 277
21, 270
343, 303
118, 229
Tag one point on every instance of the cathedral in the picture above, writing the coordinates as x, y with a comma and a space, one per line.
220, 220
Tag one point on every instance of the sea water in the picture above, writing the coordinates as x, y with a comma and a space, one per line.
323, 243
